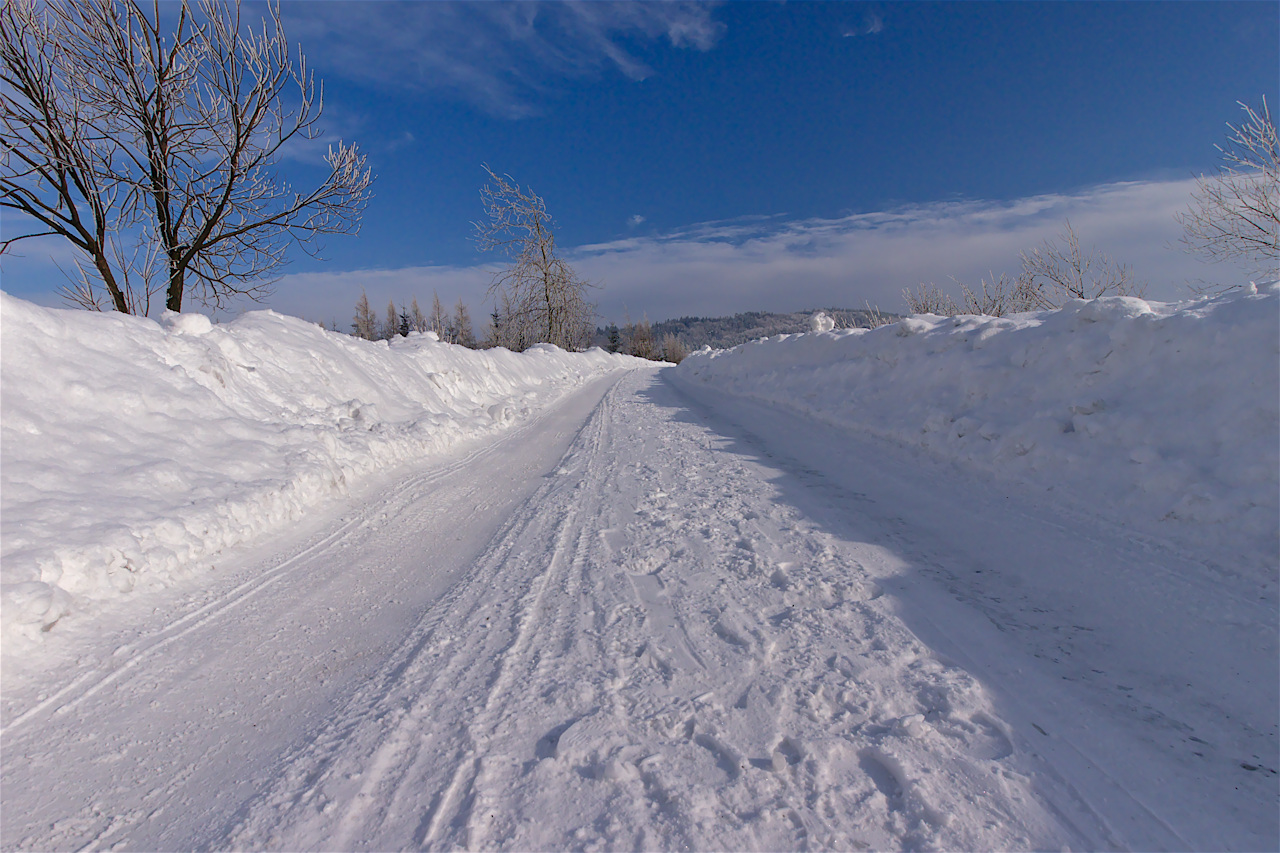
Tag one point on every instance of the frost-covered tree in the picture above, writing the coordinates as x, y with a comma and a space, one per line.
154, 149
1235, 214
1056, 272
1052, 273
543, 298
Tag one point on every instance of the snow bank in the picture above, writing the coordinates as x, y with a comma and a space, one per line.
130, 449
1162, 416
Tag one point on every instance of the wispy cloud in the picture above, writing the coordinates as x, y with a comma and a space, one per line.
770, 263
504, 57
872, 23
780, 264
635, 221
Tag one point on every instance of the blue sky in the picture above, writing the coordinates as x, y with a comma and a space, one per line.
708, 159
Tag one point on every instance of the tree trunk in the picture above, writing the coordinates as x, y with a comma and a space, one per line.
173, 296
109, 279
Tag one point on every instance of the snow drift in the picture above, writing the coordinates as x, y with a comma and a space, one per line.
1163, 417
131, 449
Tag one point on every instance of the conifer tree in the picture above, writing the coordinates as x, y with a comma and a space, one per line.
493, 337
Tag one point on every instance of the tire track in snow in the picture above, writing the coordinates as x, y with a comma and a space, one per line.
658, 640
127, 657
565, 556
385, 739
165, 769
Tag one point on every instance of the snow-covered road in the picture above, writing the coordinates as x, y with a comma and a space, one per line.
648, 621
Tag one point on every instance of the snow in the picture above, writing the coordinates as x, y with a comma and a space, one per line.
1162, 416
947, 584
133, 450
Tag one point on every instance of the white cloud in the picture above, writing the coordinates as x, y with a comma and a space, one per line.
772, 264
635, 220
503, 57
778, 264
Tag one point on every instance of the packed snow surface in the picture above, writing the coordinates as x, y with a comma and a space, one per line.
780, 597
1162, 415
132, 450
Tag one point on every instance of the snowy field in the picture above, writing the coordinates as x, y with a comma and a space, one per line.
947, 584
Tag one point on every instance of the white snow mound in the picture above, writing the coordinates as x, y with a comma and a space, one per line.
1165, 417
132, 449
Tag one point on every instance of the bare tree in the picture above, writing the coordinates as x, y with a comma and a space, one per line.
1235, 214
364, 324
461, 330
390, 322
1001, 296
1053, 274
438, 322
541, 293
417, 322
673, 349
929, 299
116, 128
640, 342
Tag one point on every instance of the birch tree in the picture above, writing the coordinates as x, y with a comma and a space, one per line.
154, 149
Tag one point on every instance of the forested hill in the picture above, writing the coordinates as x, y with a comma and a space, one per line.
725, 332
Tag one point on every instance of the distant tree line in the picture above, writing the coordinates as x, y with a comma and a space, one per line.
639, 339
452, 328
671, 340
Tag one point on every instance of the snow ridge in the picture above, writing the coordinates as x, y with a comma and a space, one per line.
133, 449
1163, 417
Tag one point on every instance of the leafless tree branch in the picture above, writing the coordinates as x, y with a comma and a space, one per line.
114, 124
542, 297
1235, 214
